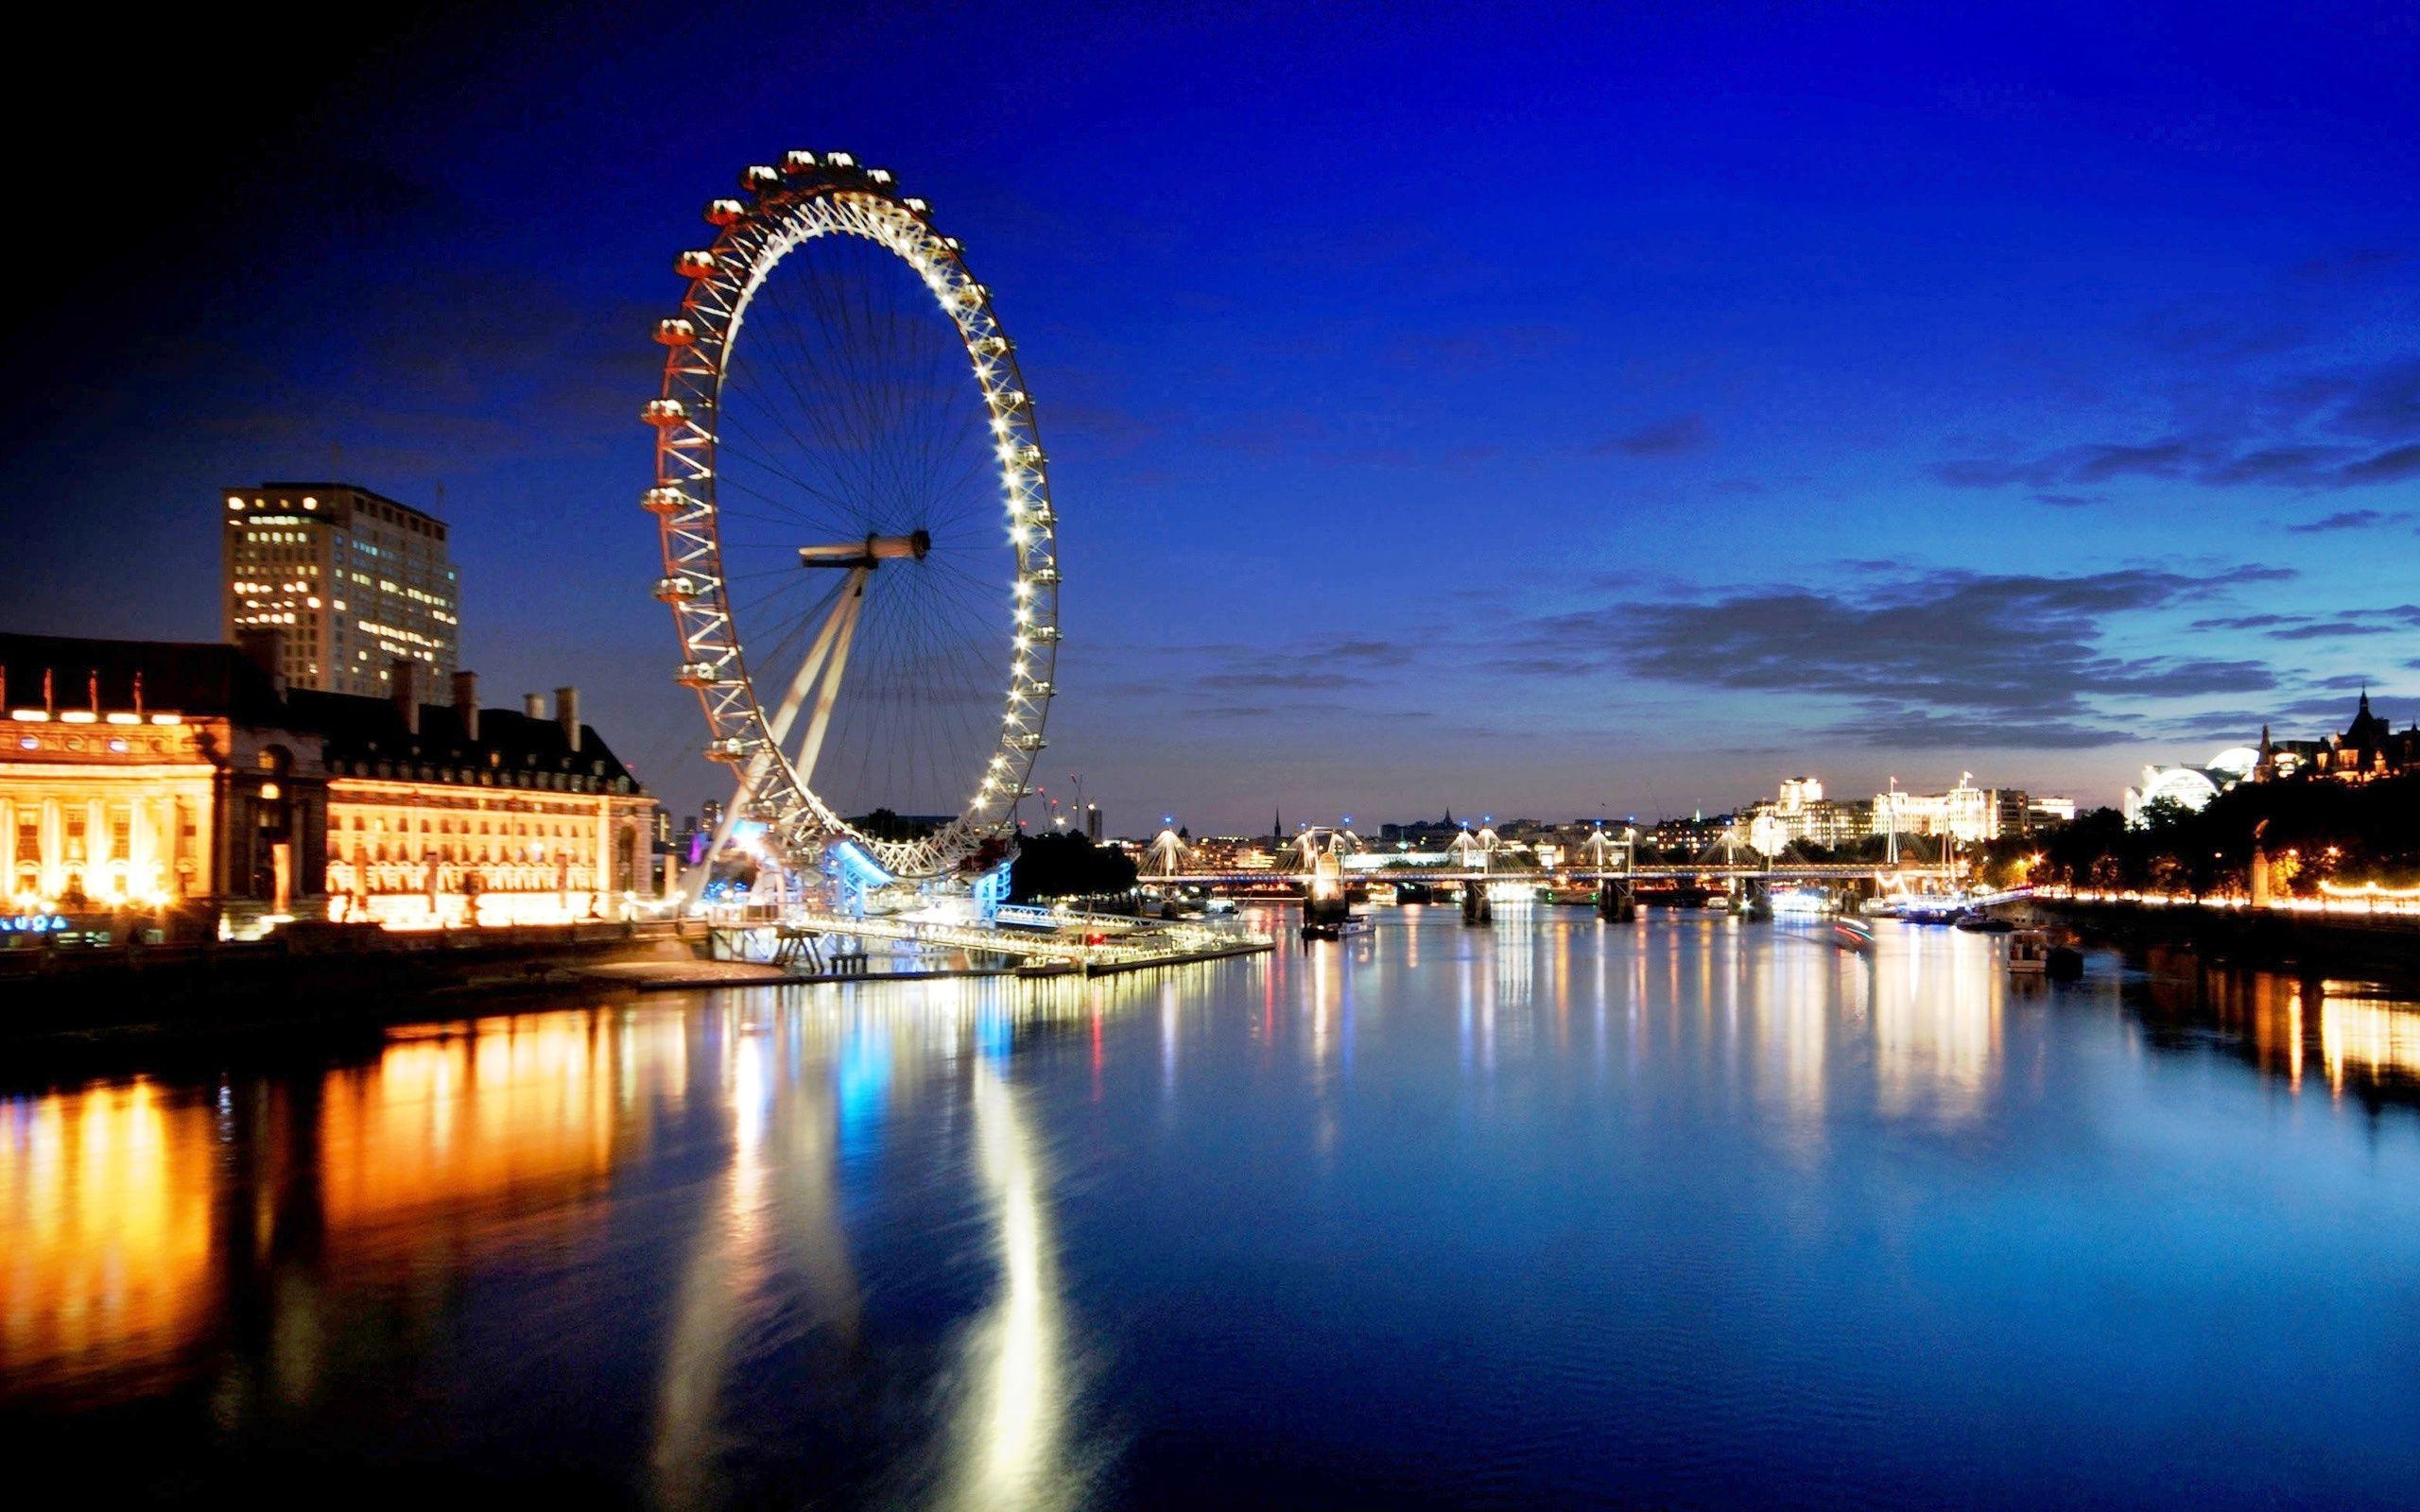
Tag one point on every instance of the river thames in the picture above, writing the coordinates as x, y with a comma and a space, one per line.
1689, 1213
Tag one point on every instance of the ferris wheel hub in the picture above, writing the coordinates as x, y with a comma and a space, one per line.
871, 551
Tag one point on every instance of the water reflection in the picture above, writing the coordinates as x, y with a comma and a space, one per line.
911, 1243
1009, 1428
105, 1199
2344, 1037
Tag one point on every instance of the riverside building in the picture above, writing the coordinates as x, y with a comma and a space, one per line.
186, 789
354, 581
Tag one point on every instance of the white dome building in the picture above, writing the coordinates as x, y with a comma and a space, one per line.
2190, 787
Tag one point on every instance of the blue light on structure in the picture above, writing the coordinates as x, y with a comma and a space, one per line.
991, 891
34, 925
849, 865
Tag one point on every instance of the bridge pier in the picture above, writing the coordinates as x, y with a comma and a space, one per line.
1616, 902
1756, 899
1476, 907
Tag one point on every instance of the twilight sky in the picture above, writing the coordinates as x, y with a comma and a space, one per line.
1521, 409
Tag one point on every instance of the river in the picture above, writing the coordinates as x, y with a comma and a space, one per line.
1687, 1213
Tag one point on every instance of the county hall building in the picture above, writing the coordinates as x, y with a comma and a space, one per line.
196, 788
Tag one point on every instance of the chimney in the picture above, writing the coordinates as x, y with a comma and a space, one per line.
533, 705
263, 645
403, 685
567, 715
466, 703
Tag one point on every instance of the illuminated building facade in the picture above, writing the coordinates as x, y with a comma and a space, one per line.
2368, 747
353, 580
2188, 787
177, 787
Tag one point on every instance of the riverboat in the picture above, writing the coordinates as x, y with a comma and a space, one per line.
1342, 927
2029, 953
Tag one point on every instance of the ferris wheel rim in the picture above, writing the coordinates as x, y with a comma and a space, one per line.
809, 196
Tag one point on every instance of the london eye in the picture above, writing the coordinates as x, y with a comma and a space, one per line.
859, 550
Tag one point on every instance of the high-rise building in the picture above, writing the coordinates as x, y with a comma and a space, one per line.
351, 580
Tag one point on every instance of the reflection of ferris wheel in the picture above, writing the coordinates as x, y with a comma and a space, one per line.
858, 546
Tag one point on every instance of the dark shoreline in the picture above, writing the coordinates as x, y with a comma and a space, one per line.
2384, 950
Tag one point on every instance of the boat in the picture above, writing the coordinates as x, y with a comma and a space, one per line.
1975, 922
1384, 894
2029, 953
1218, 907
1331, 918
1344, 927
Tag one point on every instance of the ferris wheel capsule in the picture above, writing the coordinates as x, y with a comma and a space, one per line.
664, 413
673, 331
695, 265
798, 162
662, 501
725, 212
760, 178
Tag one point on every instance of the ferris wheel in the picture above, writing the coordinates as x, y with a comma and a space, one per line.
859, 550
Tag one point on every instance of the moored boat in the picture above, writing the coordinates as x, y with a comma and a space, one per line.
2029, 953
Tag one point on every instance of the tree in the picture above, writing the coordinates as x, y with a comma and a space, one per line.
1064, 865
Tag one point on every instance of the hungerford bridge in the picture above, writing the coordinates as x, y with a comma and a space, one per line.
1325, 855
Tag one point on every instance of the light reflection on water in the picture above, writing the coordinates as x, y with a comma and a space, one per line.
1737, 1217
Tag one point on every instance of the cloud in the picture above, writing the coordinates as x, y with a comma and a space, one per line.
2344, 623
1952, 658
2346, 428
2350, 519
1668, 437
2328, 630
2204, 461
2390, 466
2383, 403
1275, 678
2351, 263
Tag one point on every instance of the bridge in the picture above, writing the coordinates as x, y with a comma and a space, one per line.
1420, 875
1094, 944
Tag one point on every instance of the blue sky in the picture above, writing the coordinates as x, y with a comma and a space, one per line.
1526, 409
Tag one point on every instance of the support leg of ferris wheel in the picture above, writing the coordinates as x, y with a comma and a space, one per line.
845, 617
839, 627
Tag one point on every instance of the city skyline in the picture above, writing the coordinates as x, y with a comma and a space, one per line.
1949, 408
